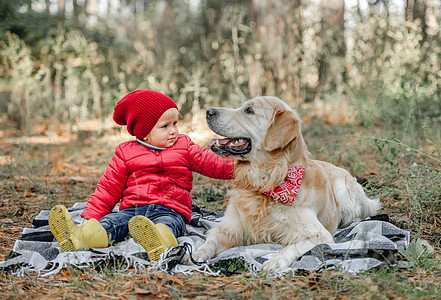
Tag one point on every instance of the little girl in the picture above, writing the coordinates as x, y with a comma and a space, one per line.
151, 176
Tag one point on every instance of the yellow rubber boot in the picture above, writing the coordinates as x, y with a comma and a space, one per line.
153, 238
167, 236
71, 237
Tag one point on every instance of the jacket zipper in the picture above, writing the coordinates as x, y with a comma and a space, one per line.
161, 171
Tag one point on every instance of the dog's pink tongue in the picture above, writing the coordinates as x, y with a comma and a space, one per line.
213, 141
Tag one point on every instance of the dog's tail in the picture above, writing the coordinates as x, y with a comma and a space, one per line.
353, 202
372, 206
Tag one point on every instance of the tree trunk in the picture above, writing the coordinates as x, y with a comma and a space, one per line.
164, 24
28, 4
76, 10
47, 6
92, 10
61, 7
333, 47
432, 26
279, 32
425, 12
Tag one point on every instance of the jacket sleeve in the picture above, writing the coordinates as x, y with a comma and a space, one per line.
207, 163
109, 188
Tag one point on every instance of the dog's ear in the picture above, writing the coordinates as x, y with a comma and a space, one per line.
284, 128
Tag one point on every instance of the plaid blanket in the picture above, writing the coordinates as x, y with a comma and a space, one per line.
358, 247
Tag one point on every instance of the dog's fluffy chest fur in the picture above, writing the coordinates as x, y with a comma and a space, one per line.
264, 220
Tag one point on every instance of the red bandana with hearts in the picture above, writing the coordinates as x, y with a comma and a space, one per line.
288, 190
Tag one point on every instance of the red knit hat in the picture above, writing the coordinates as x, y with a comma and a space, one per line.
140, 110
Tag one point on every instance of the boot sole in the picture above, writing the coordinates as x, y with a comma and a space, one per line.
60, 227
144, 232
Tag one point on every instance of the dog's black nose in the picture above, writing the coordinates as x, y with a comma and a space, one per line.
211, 113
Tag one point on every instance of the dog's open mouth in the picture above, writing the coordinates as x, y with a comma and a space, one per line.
235, 146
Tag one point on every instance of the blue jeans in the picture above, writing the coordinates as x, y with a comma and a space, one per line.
116, 224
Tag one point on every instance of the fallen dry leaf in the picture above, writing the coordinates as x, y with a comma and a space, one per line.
141, 291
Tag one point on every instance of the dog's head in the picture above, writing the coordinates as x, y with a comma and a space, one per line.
260, 125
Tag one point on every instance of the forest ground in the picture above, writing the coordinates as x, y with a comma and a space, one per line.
54, 166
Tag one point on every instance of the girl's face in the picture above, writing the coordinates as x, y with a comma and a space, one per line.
165, 132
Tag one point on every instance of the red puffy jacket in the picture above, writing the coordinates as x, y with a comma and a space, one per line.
138, 176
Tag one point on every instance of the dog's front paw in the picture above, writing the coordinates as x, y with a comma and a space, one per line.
276, 263
203, 254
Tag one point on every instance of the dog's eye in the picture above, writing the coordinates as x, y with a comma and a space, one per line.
249, 110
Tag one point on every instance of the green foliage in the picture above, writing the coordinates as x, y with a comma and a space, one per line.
388, 147
54, 70
209, 196
422, 184
418, 252
411, 177
211, 193
230, 266
25, 172
396, 78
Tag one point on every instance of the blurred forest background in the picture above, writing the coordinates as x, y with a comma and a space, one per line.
67, 61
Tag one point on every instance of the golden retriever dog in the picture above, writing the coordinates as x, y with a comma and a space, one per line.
280, 195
